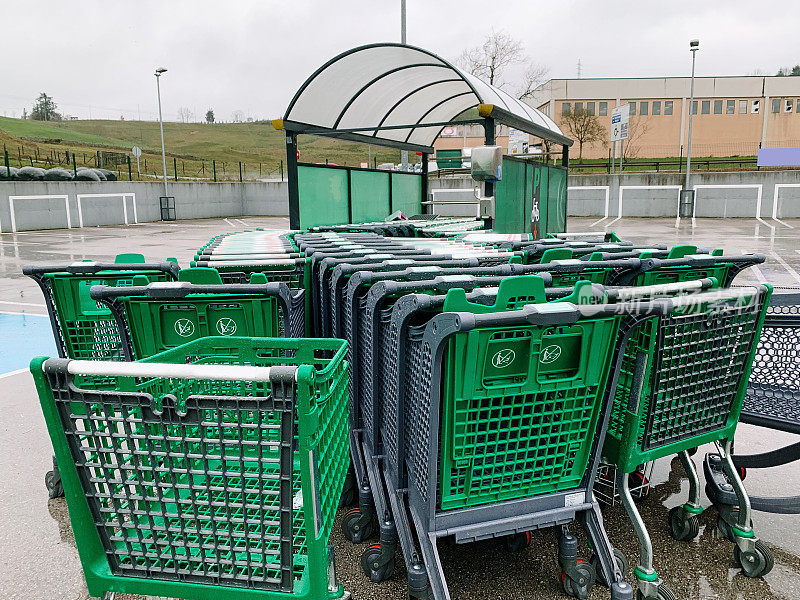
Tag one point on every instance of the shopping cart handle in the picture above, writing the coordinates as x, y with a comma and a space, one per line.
175, 289
91, 267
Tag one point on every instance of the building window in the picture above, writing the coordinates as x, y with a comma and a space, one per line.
694, 107
717, 107
776, 105
566, 108
742, 107
656, 107
590, 107
603, 109
788, 105
705, 107
797, 104
632, 108
755, 107
667, 107
730, 107
643, 108
578, 106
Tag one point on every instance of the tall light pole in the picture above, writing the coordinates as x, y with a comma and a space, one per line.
158, 74
686, 208
403, 153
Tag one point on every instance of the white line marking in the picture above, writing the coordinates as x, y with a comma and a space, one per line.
24, 314
23, 303
595, 187
40, 197
786, 266
759, 187
776, 190
229, 223
124, 197
12, 373
242, 222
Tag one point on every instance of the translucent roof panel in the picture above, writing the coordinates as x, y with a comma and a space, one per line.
389, 92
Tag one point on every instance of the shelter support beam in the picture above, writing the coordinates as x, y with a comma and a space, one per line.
291, 168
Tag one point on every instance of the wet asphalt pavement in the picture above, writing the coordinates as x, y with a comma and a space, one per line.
38, 559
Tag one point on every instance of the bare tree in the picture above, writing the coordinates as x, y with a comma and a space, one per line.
185, 114
237, 116
637, 128
534, 76
489, 60
584, 127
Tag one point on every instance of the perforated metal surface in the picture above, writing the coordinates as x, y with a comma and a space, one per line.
773, 393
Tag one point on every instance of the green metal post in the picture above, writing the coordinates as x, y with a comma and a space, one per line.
8, 167
240, 171
281, 168
175, 167
74, 166
214, 167
130, 174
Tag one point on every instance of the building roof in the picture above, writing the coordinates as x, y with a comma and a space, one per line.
400, 95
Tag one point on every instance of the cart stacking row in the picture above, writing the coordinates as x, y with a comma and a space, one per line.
447, 385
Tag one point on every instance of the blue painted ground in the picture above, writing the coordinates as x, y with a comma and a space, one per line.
23, 337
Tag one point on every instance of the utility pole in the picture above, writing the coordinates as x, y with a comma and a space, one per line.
158, 74
686, 200
403, 153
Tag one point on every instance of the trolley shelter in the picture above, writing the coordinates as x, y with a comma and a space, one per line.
402, 97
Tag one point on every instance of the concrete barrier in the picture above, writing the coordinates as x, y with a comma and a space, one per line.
32, 205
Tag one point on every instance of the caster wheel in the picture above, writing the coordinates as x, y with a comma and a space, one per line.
692, 451
622, 565
683, 526
742, 473
53, 484
639, 486
518, 541
581, 587
355, 530
664, 593
371, 566
757, 563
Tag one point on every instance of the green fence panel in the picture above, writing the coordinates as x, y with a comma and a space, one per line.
557, 200
407, 193
369, 191
323, 195
510, 199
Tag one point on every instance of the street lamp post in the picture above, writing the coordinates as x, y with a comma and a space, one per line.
686, 208
158, 74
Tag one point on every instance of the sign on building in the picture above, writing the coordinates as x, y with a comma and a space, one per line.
620, 116
517, 141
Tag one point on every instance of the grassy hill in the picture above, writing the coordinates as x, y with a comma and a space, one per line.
193, 146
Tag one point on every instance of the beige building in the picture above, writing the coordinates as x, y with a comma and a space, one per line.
733, 116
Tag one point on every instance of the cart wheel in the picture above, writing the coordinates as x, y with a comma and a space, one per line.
581, 587
639, 485
683, 526
742, 472
756, 563
692, 451
664, 593
370, 563
352, 527
622, 564
426, 595
518, 541
55, 489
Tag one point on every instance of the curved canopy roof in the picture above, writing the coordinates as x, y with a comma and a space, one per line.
400, 95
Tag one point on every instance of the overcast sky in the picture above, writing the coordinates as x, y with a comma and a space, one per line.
96, 58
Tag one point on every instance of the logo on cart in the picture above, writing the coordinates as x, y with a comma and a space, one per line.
503, 358
184, 327
550, 354
226, 326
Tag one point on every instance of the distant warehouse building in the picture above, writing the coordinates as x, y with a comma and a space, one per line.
733, 116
